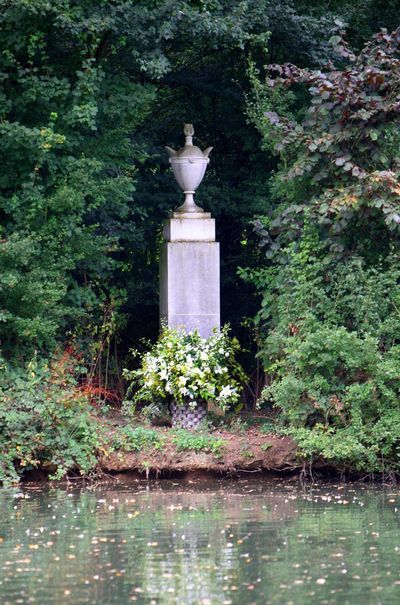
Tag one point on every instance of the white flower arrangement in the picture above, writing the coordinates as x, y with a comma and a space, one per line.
186, 369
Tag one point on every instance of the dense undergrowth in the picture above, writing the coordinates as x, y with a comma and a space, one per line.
333, 358
45, 421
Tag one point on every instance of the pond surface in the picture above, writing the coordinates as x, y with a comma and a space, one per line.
222, 543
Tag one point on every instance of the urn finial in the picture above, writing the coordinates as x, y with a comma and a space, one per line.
188, 131
189, 165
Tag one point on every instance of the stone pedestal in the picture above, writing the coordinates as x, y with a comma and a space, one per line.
189, 274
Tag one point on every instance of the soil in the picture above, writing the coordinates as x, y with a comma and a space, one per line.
251, 451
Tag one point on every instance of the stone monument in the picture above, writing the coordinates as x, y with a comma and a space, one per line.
189, 265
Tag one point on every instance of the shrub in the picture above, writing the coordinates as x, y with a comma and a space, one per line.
197, 442
45, 421
331, 349
183, 367
137, 439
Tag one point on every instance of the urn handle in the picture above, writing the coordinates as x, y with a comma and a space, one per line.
172, 153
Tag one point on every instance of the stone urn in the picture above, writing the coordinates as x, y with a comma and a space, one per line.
189, 165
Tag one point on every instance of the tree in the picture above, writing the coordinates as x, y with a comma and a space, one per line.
342, 158
89, 93
329, 319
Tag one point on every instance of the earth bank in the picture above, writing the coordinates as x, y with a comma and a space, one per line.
251, 451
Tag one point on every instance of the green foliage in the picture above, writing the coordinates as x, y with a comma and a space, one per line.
246, 453
332, 353
197, 442
244, 423
183, 367
89, 94
370, 448
269, 426
340, 157
137, 439
45, 422
333, 375
67, 169
329, 321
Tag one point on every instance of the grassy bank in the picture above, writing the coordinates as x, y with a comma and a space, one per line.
52, 423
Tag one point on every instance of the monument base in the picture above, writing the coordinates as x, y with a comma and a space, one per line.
189, 275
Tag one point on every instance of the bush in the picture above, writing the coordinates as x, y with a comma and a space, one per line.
183, 367
45, 421
198, 442
137, 439
331, 349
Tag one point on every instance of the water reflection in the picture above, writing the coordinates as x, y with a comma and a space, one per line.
229, 543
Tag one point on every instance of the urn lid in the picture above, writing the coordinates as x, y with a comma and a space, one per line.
189, 151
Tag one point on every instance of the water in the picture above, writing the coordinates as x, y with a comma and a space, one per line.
222, 543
